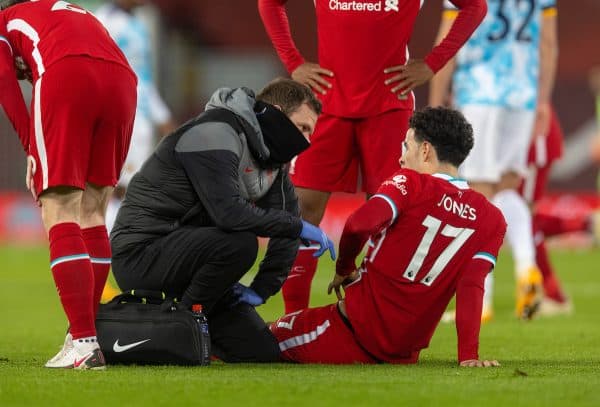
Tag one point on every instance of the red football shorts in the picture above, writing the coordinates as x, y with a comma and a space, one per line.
318, 335
340, 146
82, 118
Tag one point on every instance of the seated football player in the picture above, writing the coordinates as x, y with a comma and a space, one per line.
428, 236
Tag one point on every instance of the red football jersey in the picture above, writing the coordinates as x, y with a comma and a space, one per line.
358, 39
436, 237
45, 31
357, 45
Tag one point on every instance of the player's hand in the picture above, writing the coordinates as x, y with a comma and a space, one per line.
416, 72
542, 120
311, 74
31, 169
341, 281
311, 232
479, 363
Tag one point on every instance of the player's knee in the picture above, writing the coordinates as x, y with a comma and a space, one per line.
60, 204
93, 205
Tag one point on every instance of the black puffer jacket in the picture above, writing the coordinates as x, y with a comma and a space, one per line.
217, 170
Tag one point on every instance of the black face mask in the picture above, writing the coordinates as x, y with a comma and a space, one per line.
281, 136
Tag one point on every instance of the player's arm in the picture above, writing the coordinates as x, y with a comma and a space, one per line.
281, 252
470, 14
469, 302
548, 65
378, 212
417, 72
11, 97
439, 87
275, 20
469, 292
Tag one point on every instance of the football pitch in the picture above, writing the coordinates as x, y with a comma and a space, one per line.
547, 362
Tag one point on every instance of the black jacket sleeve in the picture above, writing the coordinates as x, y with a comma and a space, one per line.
214, 176
281, 251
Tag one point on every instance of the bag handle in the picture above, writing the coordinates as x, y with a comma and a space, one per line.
141, 295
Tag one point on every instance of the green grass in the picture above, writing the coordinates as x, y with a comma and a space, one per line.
548, 362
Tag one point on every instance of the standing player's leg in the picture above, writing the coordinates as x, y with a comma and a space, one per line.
329, 165
516, 130
98, 109
72, 272
63, 113
542, 154
93, 208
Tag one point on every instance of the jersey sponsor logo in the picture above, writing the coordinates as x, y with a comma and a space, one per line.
398, 181
391, 5
462, 210
122, 348
385, 5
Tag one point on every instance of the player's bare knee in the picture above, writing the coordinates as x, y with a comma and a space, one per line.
93, 205
60, 204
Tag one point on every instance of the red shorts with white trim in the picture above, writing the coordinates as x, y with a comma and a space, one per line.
318, 335
339, 147
82, 118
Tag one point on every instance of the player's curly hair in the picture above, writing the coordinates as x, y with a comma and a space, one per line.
289, 95
4, 4
446, 130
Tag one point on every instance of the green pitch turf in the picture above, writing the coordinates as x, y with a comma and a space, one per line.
547, 362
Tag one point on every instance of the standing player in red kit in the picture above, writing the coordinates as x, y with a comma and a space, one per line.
364, 79
428, 237
544, 151
76, 140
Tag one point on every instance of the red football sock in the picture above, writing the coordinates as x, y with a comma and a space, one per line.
72, 271
551, 285
98, 246
296, 289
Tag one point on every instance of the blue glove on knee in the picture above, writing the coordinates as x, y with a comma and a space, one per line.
311, 232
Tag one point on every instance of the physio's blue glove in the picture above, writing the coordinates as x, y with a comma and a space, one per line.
247, 295
311, 232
